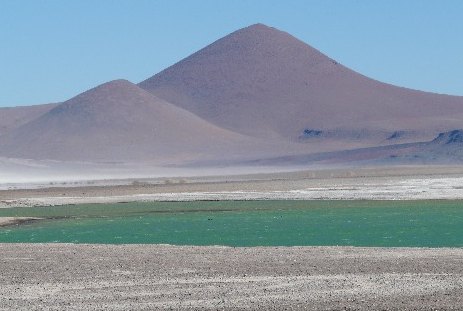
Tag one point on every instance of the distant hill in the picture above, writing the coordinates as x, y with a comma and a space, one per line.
116, 121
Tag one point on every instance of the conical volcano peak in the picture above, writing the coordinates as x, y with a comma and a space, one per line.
260, 38
265, 32
242, 76
256, 53
259, 25
259, 28
264, 82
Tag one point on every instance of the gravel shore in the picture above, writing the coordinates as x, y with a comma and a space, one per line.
149, 277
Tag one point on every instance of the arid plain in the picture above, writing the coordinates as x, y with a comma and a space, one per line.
147, 277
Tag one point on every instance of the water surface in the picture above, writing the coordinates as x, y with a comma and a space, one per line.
246, 223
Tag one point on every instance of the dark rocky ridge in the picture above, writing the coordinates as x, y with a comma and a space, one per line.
449, 138
446, 148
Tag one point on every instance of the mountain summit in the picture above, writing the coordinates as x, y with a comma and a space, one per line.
263, 82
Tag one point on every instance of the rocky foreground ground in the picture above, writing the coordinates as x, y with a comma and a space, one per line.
150, 277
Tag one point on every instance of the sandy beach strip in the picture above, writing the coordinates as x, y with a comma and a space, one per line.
154, 277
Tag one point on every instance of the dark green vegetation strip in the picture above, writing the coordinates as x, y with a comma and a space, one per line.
246, 223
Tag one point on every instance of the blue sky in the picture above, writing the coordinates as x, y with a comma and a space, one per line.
53, 50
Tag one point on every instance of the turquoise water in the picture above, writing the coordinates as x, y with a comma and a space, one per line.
246, 223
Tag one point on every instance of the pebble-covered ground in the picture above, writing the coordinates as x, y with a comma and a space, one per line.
151, 277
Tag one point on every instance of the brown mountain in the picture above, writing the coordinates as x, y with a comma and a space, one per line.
264, 82
116, 121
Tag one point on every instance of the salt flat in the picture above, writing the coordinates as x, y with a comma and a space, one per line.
393, 183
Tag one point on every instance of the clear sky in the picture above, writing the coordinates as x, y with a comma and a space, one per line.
53, 50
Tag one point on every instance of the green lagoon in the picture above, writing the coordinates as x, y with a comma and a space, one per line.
245, 223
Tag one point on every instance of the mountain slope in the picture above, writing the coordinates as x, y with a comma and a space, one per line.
263, 82
116, 121
16, 116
